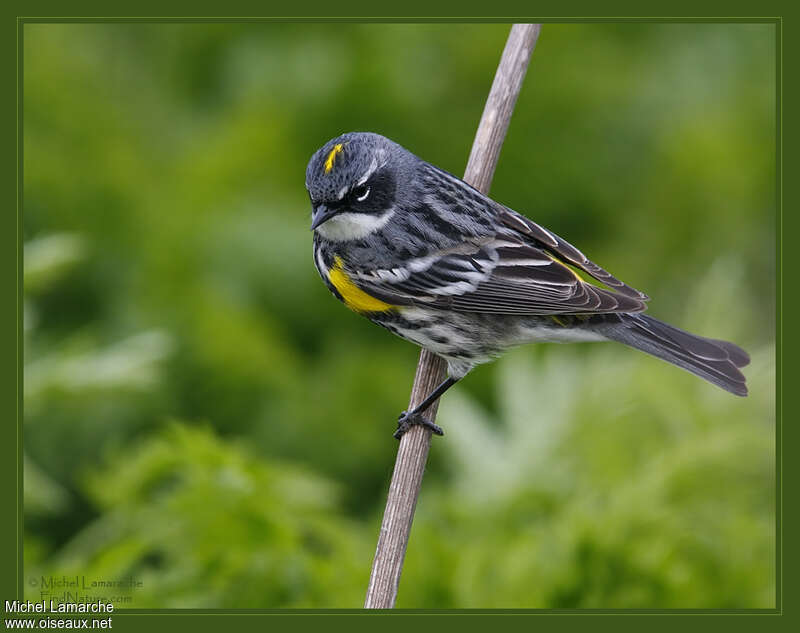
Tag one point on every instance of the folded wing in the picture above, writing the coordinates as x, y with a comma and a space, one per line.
511, 273
563, 249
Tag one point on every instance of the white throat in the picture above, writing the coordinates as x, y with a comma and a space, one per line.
353, 226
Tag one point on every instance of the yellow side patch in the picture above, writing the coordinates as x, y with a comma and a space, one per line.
562, 322
353, 297
332, 157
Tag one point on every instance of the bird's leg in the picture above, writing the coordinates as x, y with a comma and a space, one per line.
408, 419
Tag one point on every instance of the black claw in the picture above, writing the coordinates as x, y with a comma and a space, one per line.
406, 421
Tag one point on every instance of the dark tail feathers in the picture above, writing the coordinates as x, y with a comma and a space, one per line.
716, 361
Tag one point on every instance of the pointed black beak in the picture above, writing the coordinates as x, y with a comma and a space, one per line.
321, 215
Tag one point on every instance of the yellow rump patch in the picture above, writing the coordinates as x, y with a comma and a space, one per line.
353, 297
332, 157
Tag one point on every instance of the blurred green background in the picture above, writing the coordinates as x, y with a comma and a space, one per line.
203, 416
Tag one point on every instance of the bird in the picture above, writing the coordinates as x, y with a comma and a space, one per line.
433, 260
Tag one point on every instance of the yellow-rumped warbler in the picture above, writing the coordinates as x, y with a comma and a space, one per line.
428, 257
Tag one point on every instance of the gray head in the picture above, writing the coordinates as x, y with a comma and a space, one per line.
353, 181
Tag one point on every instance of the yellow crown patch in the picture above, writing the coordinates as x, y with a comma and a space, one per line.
337, 149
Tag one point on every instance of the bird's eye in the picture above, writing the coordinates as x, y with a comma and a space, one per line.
361, 193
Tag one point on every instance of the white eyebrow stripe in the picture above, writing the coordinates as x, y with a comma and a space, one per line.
342, 192
372, 169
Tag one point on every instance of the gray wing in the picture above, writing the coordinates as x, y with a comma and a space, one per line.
458, 203
563, 249
511, 273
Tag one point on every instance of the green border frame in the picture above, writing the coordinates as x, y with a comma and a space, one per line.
11, 352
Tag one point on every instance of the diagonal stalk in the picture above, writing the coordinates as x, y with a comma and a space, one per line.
412, 453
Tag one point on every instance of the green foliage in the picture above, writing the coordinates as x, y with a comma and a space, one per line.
202, 415
602, 501
606, 489
203, 522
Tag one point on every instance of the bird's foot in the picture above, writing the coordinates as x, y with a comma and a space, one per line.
407, 420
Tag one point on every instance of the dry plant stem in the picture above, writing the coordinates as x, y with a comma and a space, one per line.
415, 444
